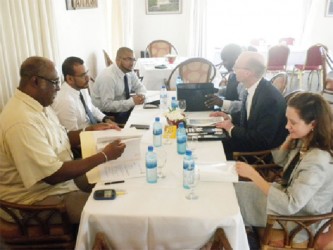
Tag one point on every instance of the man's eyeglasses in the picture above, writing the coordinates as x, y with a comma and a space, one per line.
129, 59
55, 82
83, 75
236, 68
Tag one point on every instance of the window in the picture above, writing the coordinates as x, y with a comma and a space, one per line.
240, 21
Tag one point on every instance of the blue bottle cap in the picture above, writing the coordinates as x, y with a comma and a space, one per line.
188, 152
157, 119
173, 98
181, 125
150, 148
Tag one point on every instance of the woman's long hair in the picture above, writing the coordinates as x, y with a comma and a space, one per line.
313, 107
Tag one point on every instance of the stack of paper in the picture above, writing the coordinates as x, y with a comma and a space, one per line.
126, 166
220, 172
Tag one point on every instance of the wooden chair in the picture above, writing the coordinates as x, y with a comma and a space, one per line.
194, 70
35, 226
280, 81
160, 48
107, 59
315, 63
262, 161
275, 239
220, 241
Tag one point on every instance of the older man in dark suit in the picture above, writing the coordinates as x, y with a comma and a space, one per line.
260, 124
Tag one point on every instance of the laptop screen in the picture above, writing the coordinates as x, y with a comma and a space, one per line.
194, 94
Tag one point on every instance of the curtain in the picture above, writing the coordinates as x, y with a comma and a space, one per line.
120, 15
198, 30
27, 28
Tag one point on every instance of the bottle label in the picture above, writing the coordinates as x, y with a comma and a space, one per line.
157, 131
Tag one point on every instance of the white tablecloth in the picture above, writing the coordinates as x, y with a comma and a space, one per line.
158, 216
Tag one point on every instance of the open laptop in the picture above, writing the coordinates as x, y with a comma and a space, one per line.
194, 94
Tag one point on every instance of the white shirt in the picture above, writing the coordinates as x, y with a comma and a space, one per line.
250, 95
70, 110
108, 91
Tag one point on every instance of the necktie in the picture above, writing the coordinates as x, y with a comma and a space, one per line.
126, 87
88, 112
243, 113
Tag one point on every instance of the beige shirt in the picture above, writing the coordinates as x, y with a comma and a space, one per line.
33, 145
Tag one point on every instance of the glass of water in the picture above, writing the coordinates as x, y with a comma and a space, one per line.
182, 105
161, 162
192, 144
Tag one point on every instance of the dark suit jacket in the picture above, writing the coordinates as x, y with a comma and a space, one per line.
231, 92
266, 124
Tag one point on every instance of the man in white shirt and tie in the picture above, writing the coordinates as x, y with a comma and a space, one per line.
73, 104
112, 87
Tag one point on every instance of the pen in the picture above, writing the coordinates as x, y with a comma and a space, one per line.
114, 182
120, 192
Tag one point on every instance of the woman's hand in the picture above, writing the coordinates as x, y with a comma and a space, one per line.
245, 170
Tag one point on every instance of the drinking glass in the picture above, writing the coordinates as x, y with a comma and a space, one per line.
161, 161
182, 105
192, 144
192, 183
168, 133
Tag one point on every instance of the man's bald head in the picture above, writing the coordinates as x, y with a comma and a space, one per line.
35, 66
39, 79
255, 62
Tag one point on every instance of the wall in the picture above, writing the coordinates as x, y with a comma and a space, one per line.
81, 34
171, 27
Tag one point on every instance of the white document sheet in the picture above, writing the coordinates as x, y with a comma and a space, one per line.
220, 171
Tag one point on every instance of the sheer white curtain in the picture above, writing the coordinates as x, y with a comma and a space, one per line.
27, 28
198, 28
120, 24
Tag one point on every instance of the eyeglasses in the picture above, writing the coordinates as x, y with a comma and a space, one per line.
129, 59
55, 82
83, 75
236, 68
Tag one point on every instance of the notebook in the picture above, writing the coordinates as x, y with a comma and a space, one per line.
195, 95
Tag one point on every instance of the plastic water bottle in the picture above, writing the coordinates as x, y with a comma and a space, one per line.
174, 103
188, 168
181, 139
157, 132
151, 165
163, 98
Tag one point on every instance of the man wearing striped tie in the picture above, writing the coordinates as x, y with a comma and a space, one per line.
73, 104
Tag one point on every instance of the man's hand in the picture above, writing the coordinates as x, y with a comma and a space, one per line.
227, 125
213, 100
138, 99
220, 114
114, 149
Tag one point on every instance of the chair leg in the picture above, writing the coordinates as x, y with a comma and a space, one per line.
220, 241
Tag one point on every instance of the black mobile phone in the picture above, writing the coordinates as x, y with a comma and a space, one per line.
105, 194
139, 126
